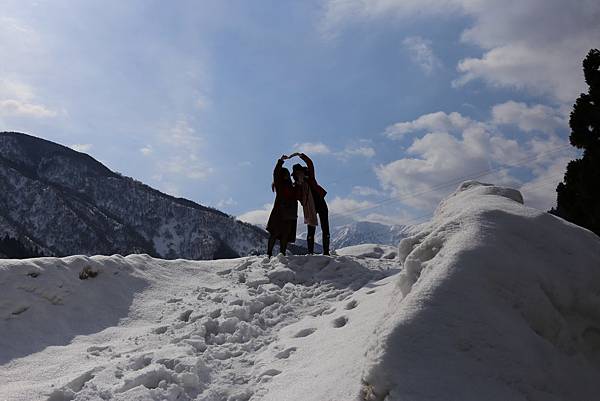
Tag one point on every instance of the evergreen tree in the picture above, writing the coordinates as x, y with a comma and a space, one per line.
578, 197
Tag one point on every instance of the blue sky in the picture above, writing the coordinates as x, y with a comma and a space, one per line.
396, 100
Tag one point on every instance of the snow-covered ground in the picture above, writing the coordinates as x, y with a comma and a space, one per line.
490, 301
150, 329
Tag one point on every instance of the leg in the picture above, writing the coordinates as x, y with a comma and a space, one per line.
310, 239
324, 219
283, 245
270, 245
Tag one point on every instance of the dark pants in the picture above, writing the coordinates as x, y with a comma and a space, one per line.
323, 214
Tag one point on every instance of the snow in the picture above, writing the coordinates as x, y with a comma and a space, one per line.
151, 329
496, 301
369, 251
491, 300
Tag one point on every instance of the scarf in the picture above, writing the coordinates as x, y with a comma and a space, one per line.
308, 206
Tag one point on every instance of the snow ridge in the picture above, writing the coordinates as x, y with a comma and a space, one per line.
496, 301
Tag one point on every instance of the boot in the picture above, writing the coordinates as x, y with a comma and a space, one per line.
326, 245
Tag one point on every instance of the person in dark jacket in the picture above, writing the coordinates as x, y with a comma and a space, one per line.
317, 193
282, 221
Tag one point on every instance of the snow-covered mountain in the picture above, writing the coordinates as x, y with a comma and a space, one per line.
366, 232
64, 202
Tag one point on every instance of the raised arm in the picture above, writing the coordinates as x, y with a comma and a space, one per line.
277, 171
309, 164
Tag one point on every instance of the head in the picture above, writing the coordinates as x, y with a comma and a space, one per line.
299, 172
285, 174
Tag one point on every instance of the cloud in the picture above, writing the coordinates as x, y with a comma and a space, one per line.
18, 100
146, 150
347, 207
534, 45
179, 149
258, 217
226, 202
365, 191
361, 151
434, 122
81, 147
529, 118
320, 148
312, 148
421, 53
455, 148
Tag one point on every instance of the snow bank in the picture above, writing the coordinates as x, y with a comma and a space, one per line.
44, 302
374, 251
496, 301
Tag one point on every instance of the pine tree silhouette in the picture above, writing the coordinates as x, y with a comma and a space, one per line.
578, 197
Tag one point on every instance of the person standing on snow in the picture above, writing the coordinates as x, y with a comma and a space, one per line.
312, 198
284, 215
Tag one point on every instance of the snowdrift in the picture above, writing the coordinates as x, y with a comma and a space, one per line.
496, 301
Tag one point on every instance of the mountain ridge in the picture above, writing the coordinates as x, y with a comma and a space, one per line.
66, 202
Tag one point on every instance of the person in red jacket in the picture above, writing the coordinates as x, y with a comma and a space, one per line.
283, 219
314, 204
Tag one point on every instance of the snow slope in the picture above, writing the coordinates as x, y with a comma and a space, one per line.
496, 301
151, 329
489, 301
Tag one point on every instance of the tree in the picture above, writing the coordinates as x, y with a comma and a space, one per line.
578, 197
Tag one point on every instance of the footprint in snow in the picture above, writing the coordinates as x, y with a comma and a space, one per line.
351, 305
305, 332
339, 322
371, 292
285, 354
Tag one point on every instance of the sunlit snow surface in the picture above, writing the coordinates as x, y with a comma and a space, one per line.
490, 301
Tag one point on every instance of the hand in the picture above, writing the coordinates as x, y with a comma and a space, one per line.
294, 154
283, 157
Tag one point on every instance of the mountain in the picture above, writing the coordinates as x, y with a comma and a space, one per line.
366, 232
64, 202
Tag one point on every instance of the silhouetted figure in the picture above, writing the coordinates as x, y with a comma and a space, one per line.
578, 198
283, 218
313, 202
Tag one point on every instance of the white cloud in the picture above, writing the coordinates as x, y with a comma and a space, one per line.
259, 217
365, 191
536, 45
226, 202
146, 150
81, 147
468, 149
312, 148
18, 100
361, 151
540, 192
434, 122
180, 146
347, 206
319, 148
529, 118
422, 54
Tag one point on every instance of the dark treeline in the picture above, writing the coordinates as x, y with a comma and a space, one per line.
579, 195
12, 248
